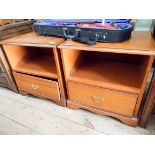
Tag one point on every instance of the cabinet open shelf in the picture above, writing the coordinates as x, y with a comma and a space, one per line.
108, 74
121, 72
37, 61
38, 66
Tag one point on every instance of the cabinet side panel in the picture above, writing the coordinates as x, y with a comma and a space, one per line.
60, 72
7, 70
144, 73
70, 58
14, 54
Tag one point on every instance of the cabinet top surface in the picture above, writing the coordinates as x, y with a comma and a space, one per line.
140, 43
32, 39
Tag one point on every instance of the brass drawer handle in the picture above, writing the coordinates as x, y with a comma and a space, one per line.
97, 99
34, 86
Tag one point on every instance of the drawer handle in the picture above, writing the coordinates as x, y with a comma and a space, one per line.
34, 86
97, 99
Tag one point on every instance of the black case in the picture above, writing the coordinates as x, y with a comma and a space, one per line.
84, 34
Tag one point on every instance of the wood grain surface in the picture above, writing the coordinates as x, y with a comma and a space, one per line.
140, 43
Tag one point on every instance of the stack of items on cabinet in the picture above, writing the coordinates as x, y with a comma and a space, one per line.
12, 27
105, 78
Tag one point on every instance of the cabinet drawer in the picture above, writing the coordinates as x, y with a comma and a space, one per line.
37, 86
3, 80
110, 100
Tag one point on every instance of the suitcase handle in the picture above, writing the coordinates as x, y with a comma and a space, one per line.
94, 40
68, 36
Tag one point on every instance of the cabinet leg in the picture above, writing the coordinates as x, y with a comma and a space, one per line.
61, 102
22, 92
72, 106
130, 121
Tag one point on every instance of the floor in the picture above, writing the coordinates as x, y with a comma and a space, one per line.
29, 115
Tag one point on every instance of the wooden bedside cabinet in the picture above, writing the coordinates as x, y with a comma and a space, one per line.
108, 78
35, 64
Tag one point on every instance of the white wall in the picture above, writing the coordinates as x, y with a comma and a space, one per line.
144, 24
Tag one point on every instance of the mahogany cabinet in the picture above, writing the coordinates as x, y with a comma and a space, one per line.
35, 63
6, 78
108, 78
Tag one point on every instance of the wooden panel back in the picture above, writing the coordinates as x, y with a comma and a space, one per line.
70, 59
126, 58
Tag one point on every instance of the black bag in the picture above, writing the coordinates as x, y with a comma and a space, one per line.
86, 31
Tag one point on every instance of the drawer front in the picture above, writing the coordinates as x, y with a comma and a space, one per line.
110, 100
37, 86
3, 80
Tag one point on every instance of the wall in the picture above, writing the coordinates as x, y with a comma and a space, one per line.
144, 24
